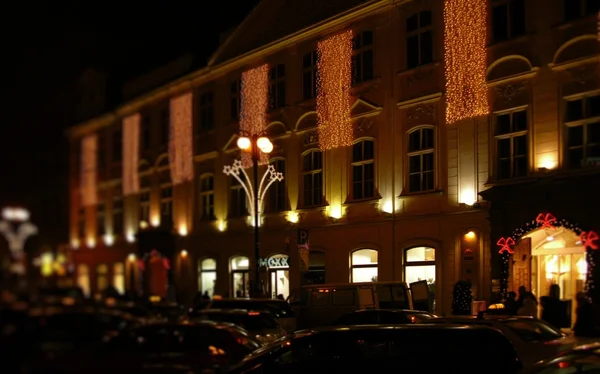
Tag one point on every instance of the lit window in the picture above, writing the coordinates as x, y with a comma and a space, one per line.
419, 40
508, 19
83, 279
119, 277
207, 197
582, 121
362, 57
312, 178
101, 277
207, 271
511, 144
419, 265
363, 266
421, 160
363, 170
240, 276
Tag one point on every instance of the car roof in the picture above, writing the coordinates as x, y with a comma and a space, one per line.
232, 311
391, 311
387, 327
474, 319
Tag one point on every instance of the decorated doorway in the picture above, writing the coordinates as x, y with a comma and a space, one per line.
549, 251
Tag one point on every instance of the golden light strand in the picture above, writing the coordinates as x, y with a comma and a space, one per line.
254, 106
89, 163
131, 142
333, 91
181, 152
465, 34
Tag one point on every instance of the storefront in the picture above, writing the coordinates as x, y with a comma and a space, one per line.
278, 270
239, 267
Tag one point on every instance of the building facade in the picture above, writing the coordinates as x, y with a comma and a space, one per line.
414, 197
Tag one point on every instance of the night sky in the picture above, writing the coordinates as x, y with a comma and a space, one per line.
45, 47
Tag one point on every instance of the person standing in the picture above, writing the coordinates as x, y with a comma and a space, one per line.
584, 323
552, 307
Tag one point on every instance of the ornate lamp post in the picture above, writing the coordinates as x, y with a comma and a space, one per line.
255, 144
16, 228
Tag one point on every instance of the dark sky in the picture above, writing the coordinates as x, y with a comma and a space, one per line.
46, 45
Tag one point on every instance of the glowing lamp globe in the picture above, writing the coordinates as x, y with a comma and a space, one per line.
244, 143
264, 144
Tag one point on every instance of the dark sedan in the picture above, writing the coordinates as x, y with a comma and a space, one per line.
383, 317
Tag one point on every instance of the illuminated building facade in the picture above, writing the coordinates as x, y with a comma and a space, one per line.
389, 120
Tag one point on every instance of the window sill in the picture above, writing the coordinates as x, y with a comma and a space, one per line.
511, 41
419, 193
431, 65
312, 207
307, 103
365, 201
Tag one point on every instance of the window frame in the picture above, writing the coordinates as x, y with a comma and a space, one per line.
418, 32
583, 122
202, 271
421, 153
234, 210
313, 70
206, 111
166, 204
245, 274
165, 125
362, 164
359, 53
278, 190
277, 87
118, 215
512, 135
235, 99
582, 11
117, 146
145, 133
363, 266
312, 172
407, 264
207, 215
101, 218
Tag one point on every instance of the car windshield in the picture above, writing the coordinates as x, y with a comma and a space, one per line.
533, 330
250, 321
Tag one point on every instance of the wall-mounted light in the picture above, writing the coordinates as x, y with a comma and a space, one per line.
183, 253
335, 211
131, 257
183, 231
222, 225
547, 162
130, 237
15, 214
90, 242
143, 224
109, 239
470, 235
292, 217
387, 206
467, 197
155, 221
75, 243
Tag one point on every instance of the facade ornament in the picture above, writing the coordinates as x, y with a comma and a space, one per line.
422, 113
311, 137
510, 92
363, 124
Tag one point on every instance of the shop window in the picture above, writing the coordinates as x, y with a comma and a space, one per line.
207, 276
582, 121
101, 277
207, 197
419, 265
421, 161
363, 170
508, 19
206, 112
312, 178
240, 276
238, 202
166, 206
419, 40
119, 277
363, 266
362, 57
512, 159
309, 75
574, 9
83, 279
277, 87
277, 196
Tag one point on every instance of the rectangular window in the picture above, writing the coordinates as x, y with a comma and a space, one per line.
238, 200
363, 170
277, 87
117, 214
206, 112
145, 133
419, 40
277, 197
508, 19
117, 146
101, 151
582, 121
362, 57
312, 177
101, 218
421, 162
235, 92
164, 126
512, 156
81, 223
166, 206
207, 197
574, 9
145, 206
309, 75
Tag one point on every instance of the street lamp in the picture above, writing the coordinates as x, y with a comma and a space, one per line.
255, 144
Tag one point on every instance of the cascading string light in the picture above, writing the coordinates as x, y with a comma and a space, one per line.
131, 142
181, 152
253, 107
333, 91
89, 164
465, 54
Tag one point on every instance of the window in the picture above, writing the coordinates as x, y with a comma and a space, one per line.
145, 134
511, 144
312, 177
101, 218
144, 206
81, 223
207, 197
206, 112
101, 277
583, 131
421, 160
164, 126
574, 9
119, 277
419, 265
362, 57
101, 151
277, 87
207, 270
508, 19
309, 75
235, 91
240, 276
363, 170
316, 268
166, 206
238, 200
117, 146
419, 40
83, 279
277, 198
117, 214
363, 266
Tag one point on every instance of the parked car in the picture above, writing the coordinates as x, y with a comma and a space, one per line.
581, 359
383, 317
415, 348
260, 324
533, 339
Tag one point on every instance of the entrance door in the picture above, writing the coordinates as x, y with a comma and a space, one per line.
279, 283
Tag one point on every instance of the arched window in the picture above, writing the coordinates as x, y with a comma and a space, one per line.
312, 178
363, 170
119, 277
207, 197
240, 276
207, 275
363, 266
83, 279
421, 160
101, 277
419, 264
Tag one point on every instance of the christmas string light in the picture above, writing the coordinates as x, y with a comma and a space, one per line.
180, 139
465, 33
333, 96
89, 163
131, 141
253, 107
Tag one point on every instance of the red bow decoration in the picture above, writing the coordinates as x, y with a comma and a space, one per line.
545, 219
166, 264
589, 239
505, 245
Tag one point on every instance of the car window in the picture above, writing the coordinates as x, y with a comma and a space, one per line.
532, 330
